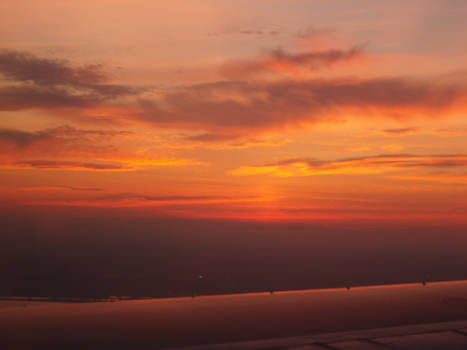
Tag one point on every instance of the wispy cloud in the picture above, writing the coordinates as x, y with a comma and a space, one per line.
71, 148
112, 164
60, 188
68, 165
228, 141
60, 134
51, 83
352, 149
241, 107
23, 66
449, 132
248, 32
125, 200
399, 132
280, 61
360, 165
442, 177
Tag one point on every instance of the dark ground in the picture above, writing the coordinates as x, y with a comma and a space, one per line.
77, 255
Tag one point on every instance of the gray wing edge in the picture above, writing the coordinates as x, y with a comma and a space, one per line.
445, 335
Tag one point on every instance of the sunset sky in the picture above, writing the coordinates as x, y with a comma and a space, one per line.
277, 110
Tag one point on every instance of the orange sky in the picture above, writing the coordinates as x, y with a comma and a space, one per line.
261, 110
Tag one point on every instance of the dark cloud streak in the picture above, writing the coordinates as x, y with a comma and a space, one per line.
382, 160
399, 132
62, 134
22, 66
62, 164
280, 61
39, 83
124, 196
239, 106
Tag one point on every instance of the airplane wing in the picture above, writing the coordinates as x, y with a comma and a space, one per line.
408, 316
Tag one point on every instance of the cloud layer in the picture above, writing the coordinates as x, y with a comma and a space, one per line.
232, 109
359, 165
251, 107
69, 148
30, 82
289, 64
